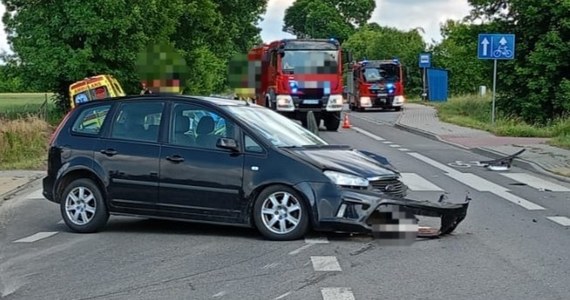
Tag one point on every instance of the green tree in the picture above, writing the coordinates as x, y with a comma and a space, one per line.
536, 84
209, 32
327, 18
457, 53
376, 42
58, 42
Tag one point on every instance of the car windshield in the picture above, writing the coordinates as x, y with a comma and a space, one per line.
310, 62
276, 128
388, 72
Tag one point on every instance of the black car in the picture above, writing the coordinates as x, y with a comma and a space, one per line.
218, 160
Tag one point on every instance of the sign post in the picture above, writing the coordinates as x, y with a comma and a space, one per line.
495, 47
424, 63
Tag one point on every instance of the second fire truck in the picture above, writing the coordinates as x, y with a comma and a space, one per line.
375, 84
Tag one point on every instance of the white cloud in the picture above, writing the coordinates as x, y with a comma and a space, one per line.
402, 14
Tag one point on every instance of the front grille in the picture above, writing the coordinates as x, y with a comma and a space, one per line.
392, 186
382, 90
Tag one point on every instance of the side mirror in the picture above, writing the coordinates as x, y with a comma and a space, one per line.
227, 143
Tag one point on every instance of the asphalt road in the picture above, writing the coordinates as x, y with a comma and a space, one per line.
507, 248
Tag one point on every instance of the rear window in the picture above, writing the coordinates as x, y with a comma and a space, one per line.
91, 120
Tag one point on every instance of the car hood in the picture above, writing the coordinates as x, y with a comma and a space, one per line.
345, 160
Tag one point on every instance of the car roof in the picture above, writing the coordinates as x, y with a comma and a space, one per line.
217, 101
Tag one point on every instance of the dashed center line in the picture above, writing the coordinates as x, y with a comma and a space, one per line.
36, 237
395, 146
325, 264
337, 294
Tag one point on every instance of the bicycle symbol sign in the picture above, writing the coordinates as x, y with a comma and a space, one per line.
496, 46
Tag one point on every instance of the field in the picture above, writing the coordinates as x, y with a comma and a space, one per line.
18, 105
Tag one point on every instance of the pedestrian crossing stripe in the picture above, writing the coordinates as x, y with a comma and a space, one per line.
535, 182
417, 183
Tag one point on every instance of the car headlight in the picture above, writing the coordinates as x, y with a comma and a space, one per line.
344, 179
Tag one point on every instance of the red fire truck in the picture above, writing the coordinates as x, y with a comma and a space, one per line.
376, 84
295, 76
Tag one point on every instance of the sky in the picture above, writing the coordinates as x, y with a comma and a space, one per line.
402, 14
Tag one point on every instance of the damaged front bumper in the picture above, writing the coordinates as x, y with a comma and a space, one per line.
394, 218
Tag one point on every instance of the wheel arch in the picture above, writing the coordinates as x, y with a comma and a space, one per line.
306, 194
79, 173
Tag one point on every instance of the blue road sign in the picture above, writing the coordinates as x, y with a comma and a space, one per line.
425, 60
496, 46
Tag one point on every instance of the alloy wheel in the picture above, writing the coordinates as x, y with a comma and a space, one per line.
281, 212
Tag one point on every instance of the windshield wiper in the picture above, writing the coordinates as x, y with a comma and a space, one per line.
291, 147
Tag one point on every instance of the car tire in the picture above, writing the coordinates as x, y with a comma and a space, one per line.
87, 212
279, 214
397, 108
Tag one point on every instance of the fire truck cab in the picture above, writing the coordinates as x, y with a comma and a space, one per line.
375, 84
295, 76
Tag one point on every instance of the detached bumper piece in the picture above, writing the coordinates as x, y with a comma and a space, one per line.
396, 219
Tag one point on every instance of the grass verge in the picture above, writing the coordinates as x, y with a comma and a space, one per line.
26, 122
475, 112
23, 143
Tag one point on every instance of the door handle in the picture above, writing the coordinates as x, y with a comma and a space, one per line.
109, 152
175, 158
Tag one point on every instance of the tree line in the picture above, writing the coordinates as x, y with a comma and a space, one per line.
56, 44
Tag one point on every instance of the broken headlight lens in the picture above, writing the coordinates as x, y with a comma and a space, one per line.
344, 179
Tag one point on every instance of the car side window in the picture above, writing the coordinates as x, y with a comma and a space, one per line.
195, 126
91, 120
251, 145
138, 121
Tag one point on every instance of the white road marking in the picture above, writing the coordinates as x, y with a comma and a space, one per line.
564, 221
432, 162
395, 146
387, 142
518, 200
298, 250
368, 134
325, 263
36, 237
337, 294
479, 183
536, 182
404, 149
220, 294
283, 296
417, 183
475, 181
317, 240
61, 222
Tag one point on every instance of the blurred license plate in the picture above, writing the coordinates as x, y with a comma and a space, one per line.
311, 101
382, 95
